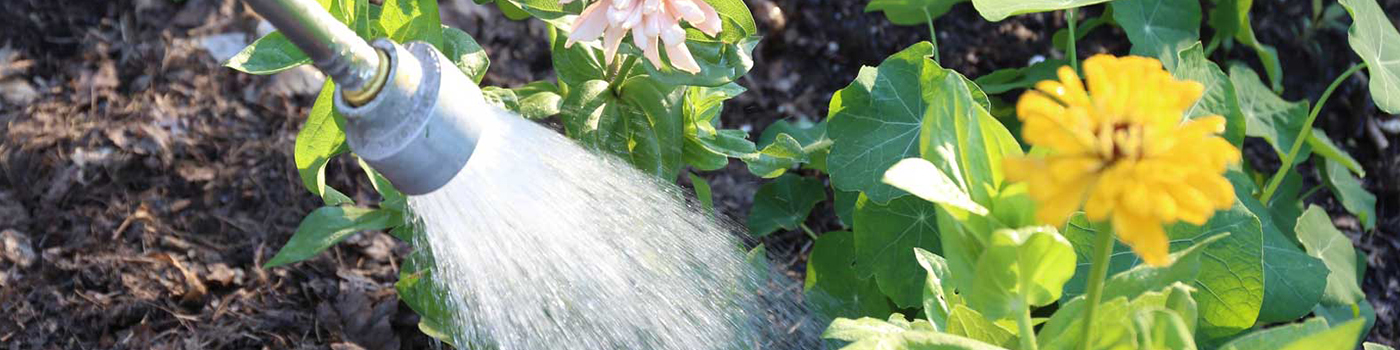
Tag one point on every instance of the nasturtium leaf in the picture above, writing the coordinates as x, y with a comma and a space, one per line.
885, 237
703, 193
270, 54
997, 10
1338, 314
1293, 280
936, 295
1230, 286
1008, 79
784, 204
1323, 241
872, 132
410, 20
1230, 18
1266, 114
1374, 346
1323, 146
1219, 97
832, 287
845, 205
1063, 330
967, 322
924, 180
1349, 191
464, 52
1373, 37
327, 226
862, 328
911, 12
320, 139
1159, 28
1185, 267
1080, 232
1020, 268
1315, 334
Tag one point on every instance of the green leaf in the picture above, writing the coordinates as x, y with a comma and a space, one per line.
511, 11
1020, 268
785, 152
270, 54
549, 11
997, 10
885, 237
1370, 30
738, 23
642, 125
713, 153
1230, 18
576, 64
410, 20
327, 226
720, 63
1163, 329
1311, 335
1063, 330
845, 205
936, 305
968, 323
1338, 314
926, 181
1185, 267
784, 203
1230, 286
812, 137
1349, 191
1159, 28
1323, 241
1007, 79
1323, 146
1219, 97
320, 139
1080, 232
464, 52
705, 147
393, 199
1374, 346
1266, 114
703, 193
832, 287
537, 100
1293, 281
865, 327
911, 12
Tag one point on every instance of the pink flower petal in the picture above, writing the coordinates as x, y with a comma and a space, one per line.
590, 24
640, 38
652, 52
712, 24
681, 58
672, 33
562, 2
611, 40
688, 10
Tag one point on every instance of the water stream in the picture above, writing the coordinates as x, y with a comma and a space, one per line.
545, 245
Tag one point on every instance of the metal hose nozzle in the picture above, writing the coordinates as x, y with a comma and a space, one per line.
332, 46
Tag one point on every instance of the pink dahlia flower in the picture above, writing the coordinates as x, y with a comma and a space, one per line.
653, 23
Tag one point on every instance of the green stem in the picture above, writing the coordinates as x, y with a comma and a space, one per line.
1303, 134
932, 35
808, 230
1103, 249
1070, 51
1027, 331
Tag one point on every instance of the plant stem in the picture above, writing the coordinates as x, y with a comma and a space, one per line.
932, 35
1027, 331
808, 230
1304, 133
1103, 248
1070, 51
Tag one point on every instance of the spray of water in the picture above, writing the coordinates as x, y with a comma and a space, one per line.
542, 244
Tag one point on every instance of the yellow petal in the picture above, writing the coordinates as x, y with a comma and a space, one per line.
1145, 236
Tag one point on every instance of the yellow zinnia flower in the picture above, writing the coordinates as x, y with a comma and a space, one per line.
1122, 152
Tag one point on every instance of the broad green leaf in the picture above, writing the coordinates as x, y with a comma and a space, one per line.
1373, 37
1007, 79
1374, 346
1164, 330
785, 152
270, 54
832, 287
1020, 268
857, 329
720, 63
936, 305
1349, 191
812, 137
1080, 232
392, 198
1185, 267
703, 106
1063, 330
703, 193
1323, 241
1266, 114
410, 20
535, 100
924, 180
845, 205
1230, 286
1323, 146
911, 12
997, 10
654, 112
874, 123
921, 340
511, 11
464, 52
1230, 18
705, 148
320, 139
1219, 97
1159, 28
885, 237
713, 153
576, 64
550, 11
1293, 281
968, 323
1338, 314
738, 23
427, 298
1311, 335
784, 204
327, 226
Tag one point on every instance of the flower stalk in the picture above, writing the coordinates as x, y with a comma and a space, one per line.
1304, 134
1098, 272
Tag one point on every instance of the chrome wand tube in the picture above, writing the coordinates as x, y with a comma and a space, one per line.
333, 47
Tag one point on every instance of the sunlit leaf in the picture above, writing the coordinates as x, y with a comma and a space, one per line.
1159, 28
270, 54
996, 10
1323, 241
886, 236
1373, 37
911, 12
320, 139
327, 226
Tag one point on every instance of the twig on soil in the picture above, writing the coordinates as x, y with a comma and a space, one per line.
1373, 130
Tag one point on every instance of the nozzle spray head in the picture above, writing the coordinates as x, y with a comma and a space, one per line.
422, 125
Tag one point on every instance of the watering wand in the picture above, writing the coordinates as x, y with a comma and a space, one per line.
408, 117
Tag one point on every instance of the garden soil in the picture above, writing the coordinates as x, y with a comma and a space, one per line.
141, 184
